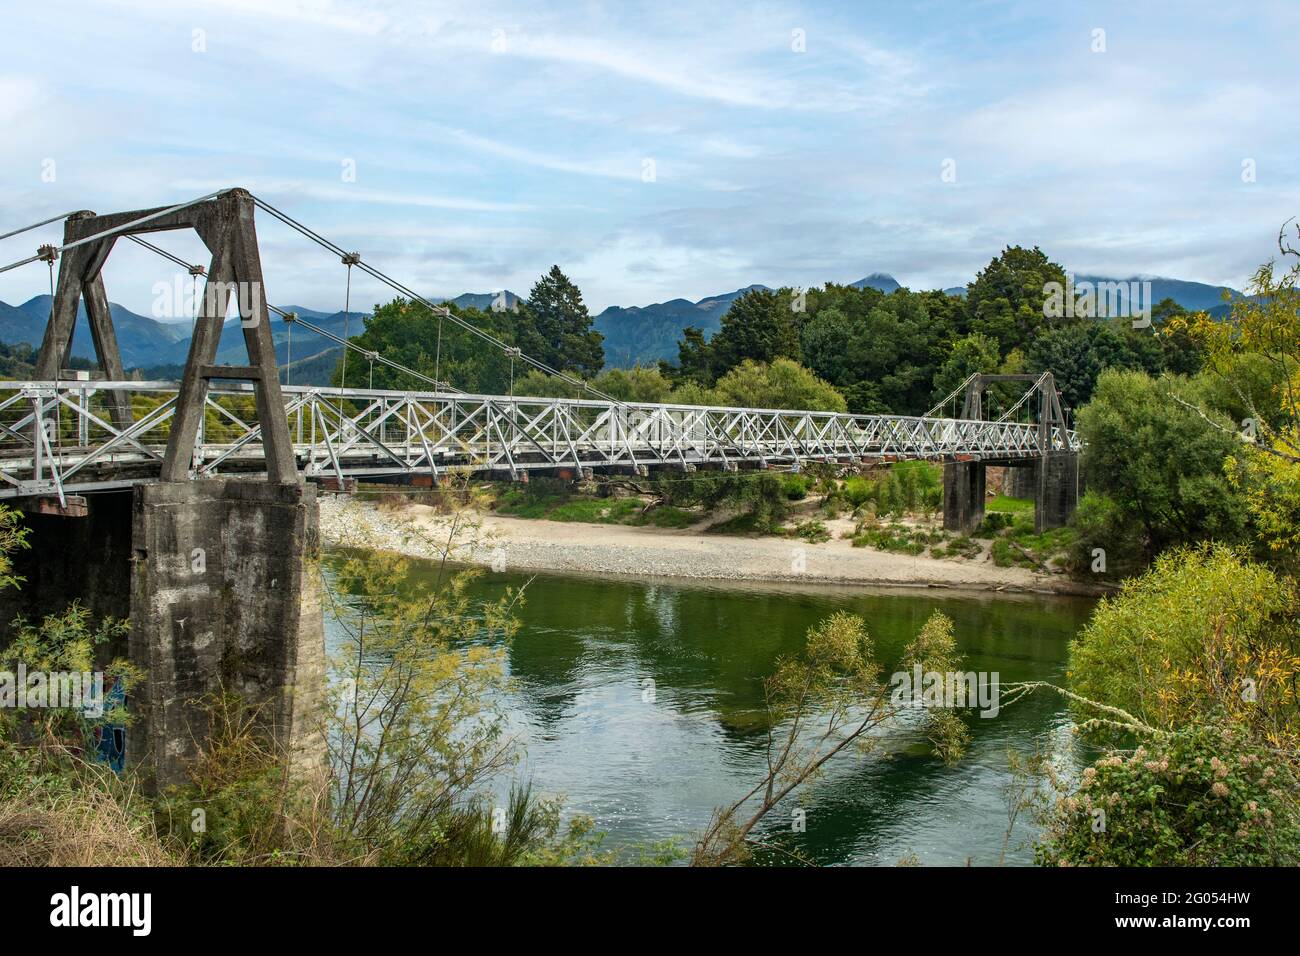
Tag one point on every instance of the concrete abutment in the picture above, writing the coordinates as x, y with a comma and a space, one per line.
220, 583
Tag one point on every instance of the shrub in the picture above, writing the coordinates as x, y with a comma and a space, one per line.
993, 524
1204, 630
794, 486
858, 491
814, 532
1203, 796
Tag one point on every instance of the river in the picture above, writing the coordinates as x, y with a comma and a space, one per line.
650, 761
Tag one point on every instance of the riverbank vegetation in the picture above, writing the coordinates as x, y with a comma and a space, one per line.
893, 508
1202, 649
417, 764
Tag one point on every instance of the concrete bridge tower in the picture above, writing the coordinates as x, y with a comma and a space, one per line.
216, 575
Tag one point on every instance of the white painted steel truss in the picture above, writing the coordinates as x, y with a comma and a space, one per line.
58, 438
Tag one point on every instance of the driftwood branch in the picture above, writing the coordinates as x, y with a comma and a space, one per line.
1258, 446
656, 497
1029, 555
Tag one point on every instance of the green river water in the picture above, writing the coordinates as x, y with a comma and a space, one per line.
648, 770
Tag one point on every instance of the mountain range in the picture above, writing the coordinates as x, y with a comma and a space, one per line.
648, 333
644, 334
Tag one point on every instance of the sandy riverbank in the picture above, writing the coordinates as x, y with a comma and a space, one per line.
572, 547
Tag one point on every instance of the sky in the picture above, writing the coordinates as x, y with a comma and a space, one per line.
659, 150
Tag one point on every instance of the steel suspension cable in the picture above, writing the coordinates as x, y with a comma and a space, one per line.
1038, 382
115, 229
291, 319
436, 309
950, 396
36, 225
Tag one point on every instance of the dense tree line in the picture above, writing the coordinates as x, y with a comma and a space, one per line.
834, 348
899, 352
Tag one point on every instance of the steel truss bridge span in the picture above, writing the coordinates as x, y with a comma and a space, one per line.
62, 437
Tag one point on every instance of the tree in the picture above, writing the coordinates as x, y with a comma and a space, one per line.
1076, 354
825, 702
537, 383
555, 328
879, 356
413, 335
1005, 300
974, 353
760, 326
782, 384
694, 359
1182, 353
1159, 460
634, 384
624, 384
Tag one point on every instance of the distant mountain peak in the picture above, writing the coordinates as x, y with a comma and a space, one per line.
487, 301
878, 280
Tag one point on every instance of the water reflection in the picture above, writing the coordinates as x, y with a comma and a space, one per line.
652, 760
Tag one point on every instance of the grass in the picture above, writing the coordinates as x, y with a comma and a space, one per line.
59, 810
597, 510
1009, 505
1048, 548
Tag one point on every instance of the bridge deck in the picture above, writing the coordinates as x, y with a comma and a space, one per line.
58, 437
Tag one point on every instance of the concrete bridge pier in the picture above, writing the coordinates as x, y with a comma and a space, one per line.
1021, 480
963, 496
224, 596
1057, 494
218, 581
1053, 481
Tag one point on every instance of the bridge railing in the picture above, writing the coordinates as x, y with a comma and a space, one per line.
63, 436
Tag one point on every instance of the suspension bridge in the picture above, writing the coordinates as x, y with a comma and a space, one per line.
64, 433
191, 506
